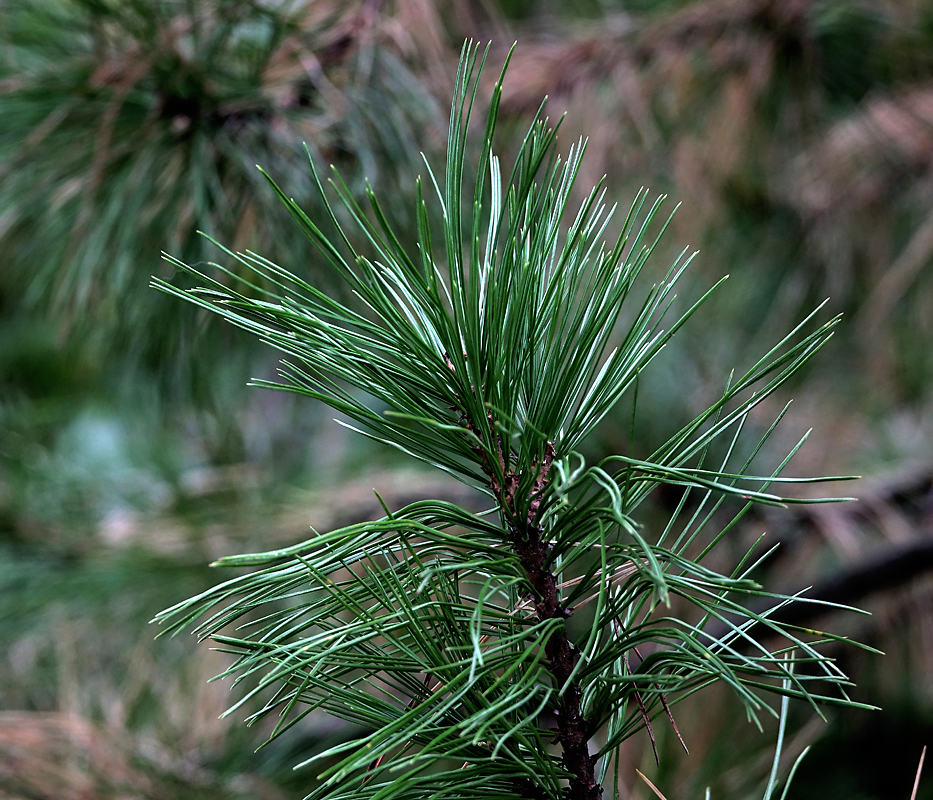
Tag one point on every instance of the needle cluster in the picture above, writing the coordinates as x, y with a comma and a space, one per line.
490, 350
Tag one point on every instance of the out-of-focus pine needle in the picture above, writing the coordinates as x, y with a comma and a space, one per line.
923, 754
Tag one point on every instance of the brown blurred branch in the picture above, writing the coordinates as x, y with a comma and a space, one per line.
890, 543
892, 568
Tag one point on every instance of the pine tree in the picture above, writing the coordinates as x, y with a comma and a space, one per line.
444, 633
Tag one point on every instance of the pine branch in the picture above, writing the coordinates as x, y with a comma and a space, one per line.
443, 632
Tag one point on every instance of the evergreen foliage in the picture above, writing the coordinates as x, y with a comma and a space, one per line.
491, 351
130, 126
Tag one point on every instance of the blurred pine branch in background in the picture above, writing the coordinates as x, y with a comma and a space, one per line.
130, 126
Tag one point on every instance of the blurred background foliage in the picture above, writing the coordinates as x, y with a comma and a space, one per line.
797, 133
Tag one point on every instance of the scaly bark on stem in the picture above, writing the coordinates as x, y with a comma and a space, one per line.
573, 731
526, 537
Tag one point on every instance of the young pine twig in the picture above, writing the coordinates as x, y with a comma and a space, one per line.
490, 350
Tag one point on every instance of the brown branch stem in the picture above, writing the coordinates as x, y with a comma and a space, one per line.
533, 550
